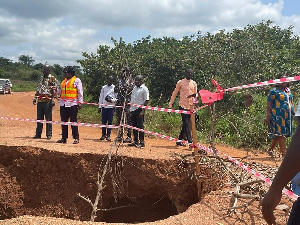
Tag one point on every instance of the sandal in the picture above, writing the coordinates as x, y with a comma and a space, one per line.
76, 141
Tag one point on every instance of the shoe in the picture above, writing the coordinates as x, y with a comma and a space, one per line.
127, 140
49, 137
62, 141
108, 139
134, 144
119, 139
36, 136
102, 138
180, 143
76, 141
142, 144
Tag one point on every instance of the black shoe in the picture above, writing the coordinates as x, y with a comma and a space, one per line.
62, 141
134, 144
127, 140
76, 141
179, 143
102, 138
49, 137
36, 136
108, 139
142, 144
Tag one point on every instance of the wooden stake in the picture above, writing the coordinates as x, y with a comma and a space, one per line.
196, 154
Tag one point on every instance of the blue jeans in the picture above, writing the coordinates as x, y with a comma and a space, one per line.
107, 118
294, 217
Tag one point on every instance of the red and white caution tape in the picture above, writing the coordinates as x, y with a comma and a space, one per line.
211, 151
60, 122
264, 83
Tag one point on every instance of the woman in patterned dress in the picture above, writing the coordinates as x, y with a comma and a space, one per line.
279, 116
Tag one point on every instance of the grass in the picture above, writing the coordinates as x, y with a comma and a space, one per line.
23, 86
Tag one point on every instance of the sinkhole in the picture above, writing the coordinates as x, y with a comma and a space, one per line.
39, 182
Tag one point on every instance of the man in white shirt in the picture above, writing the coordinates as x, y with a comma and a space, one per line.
140, 96
106, 105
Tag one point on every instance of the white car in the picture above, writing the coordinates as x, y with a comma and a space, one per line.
5, 86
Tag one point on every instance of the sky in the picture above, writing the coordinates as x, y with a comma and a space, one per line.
58, 31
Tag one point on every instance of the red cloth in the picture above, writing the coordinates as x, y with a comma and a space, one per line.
209, 97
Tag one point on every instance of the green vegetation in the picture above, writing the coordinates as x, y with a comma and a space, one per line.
256, 53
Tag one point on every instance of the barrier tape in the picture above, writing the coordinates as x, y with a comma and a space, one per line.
60, 122
209, 150
264, 83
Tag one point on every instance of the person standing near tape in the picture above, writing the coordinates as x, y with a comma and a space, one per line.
279, 116
139, 96
71, 97
106, 107
44, 99
123, 89
185, 87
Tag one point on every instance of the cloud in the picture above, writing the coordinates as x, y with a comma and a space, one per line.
59, 31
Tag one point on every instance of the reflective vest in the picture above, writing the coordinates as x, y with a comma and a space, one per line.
68, 91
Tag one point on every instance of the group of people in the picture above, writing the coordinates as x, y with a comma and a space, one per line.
71, 95
123, 97
111, 96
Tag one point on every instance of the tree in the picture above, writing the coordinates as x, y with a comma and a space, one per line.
26, 60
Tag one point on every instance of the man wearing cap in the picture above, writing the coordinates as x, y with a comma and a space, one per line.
44, 98
71, 97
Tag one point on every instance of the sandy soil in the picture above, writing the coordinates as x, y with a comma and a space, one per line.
158, 151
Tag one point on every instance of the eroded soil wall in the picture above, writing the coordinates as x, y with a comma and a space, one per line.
40, 182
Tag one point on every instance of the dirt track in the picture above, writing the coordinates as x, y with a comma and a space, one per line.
158, 152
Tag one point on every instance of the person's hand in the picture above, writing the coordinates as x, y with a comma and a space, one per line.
99, 110
34, 101
79, 105
269, 203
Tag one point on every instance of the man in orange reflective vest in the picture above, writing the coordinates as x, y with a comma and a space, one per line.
71, 97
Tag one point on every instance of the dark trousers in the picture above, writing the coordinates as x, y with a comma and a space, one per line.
67, 113
128, 120
138, 122
44, 112
186, 127
107, 118
294, 217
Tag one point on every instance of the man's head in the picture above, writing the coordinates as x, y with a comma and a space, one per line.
125, 71
138, 80
110, 80
46, 70
188, 73
69, 72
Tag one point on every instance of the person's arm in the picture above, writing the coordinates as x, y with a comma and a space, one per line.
290, 166
174, 94
79, 91
146, 97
